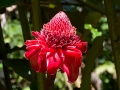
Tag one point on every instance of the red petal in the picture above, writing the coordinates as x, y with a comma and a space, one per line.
72, 48
73, 53
47, 49
38, 63
35, 33
71, 66
31, 53
32, 42
54, 61
43, 64
35, 63
37, 46
82, 46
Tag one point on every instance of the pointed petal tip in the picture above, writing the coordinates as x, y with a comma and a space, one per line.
71, 81
82, 46
35, 33
25, 56
61, 13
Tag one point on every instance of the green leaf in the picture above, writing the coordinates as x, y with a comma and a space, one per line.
20, 66
94, 31
91, 55
92, 18
4, 3
51, 6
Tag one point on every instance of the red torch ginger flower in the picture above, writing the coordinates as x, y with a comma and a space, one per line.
56, 47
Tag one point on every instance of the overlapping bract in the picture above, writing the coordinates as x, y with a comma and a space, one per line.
56, 47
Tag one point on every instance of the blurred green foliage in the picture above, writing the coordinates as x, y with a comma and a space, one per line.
13, 30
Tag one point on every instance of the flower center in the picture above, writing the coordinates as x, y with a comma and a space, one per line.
57, 39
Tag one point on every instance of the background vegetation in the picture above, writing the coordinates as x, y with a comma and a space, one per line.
97, 20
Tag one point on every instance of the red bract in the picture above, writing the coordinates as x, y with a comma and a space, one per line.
56, 47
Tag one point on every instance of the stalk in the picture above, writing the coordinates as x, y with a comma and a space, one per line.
24, 22
49, 84
111, 18
36, 17
91, 55
5, 69
25, 29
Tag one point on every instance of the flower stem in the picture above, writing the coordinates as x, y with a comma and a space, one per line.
49, 84
111, 18
40, 81
36, 17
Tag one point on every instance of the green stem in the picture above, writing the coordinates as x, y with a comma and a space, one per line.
49, 84
5, 69
24, 22
40, 81
93, 6
36, 17
90, 59
111, 18
36, 14
25, 29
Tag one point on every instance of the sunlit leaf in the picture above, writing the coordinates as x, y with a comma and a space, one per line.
94, 31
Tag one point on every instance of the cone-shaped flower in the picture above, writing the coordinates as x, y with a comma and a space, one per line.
56, 47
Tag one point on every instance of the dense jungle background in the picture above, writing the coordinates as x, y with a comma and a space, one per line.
98, 23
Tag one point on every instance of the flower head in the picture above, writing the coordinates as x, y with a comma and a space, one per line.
56, 47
